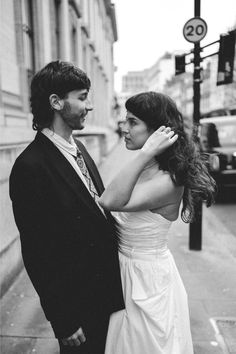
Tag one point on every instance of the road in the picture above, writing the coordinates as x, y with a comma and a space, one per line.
226, 213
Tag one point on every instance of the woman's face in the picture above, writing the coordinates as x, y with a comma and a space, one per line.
135, 132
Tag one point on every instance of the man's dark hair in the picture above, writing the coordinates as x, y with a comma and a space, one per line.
57, 77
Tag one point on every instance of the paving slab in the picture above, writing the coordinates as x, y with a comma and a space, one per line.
227, 328
27, 345
206, 347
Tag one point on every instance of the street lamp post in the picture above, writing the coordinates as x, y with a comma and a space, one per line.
194, 31
195, 229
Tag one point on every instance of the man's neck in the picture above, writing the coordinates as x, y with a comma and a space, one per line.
61, 129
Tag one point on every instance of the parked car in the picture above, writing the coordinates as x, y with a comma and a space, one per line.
218, 138
220, 112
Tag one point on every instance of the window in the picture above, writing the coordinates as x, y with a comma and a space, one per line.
28, 40
74, 44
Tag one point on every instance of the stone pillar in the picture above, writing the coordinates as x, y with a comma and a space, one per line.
79, 44
65, 40
46, 31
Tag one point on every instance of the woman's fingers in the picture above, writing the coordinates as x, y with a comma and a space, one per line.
170, 135
164, 129
160, 140
167, 130
174, 138
161, 129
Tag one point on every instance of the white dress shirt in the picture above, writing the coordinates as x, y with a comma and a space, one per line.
68, 149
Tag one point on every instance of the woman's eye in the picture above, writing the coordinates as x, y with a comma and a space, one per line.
82, 98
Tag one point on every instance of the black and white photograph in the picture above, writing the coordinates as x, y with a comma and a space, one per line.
117, 177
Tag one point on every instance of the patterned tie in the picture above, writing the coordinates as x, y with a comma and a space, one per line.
85, 172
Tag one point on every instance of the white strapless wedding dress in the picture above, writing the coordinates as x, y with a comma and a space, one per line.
156, 317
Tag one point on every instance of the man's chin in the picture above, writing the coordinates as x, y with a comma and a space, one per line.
81, 127
82, 124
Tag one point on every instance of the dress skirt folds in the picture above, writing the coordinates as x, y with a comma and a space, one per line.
156, 318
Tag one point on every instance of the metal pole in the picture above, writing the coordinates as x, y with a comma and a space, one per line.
195, 229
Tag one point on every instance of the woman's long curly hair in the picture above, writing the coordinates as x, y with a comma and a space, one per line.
58, 77
183, 160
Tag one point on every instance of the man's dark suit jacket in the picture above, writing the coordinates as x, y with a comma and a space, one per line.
69, 248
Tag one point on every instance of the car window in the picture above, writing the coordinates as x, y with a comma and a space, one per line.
218, 134
233, 111
227, 134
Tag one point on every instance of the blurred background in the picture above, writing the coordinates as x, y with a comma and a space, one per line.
126, 47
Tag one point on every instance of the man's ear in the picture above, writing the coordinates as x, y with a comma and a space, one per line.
56, 102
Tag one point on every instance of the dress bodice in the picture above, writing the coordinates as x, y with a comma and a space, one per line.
143, 231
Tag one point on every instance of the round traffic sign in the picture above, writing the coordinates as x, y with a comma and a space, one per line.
195, 29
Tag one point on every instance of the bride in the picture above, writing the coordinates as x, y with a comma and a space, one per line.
147, 194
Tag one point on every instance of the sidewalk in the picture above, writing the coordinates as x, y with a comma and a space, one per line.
208, 275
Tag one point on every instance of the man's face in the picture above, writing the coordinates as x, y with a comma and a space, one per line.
75, 109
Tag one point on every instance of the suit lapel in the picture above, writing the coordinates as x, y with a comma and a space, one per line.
63, 168
94, 175
91, 168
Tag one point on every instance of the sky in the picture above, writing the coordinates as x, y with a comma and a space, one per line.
149, 28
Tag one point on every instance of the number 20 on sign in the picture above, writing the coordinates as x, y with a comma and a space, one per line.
195, 30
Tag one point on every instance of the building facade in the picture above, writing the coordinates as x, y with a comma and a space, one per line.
33, 33
160, 72
213, 96
180, 89
150, 79
135, 81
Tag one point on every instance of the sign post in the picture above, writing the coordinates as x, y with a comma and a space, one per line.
194, 31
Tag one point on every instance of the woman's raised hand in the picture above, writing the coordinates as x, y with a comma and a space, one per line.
159, 141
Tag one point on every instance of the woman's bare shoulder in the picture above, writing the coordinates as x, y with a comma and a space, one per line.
164, 177
170, 207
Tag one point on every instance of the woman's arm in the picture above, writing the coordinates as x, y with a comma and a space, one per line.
153, 194
118, 194
119, 191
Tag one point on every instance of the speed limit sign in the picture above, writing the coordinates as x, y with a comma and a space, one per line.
195, 30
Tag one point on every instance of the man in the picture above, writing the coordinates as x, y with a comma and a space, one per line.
69, 243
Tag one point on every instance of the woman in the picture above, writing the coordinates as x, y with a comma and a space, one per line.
147, 194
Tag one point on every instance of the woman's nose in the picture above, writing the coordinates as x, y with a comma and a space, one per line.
124, 127
89, 105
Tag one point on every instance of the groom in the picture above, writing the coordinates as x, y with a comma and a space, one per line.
69, 244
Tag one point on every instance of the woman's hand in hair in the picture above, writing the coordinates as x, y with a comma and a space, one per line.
159, 141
